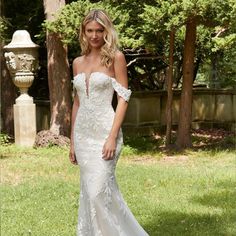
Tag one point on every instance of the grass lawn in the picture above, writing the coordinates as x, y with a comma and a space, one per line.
190, 193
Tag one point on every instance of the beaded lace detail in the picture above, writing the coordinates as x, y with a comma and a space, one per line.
122, 91
102, 209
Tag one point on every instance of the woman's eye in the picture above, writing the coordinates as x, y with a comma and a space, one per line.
101, 31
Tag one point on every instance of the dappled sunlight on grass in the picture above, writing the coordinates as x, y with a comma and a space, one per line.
17, 161
170, 193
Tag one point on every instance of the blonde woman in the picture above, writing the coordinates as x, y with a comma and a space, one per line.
96, 136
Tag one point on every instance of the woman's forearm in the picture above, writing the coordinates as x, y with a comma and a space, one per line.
75, 108
119, 117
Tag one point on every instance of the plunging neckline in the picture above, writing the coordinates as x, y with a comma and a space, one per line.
94, 72
87, 78
87, 82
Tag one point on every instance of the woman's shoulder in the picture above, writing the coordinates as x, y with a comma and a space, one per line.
119, 55
78, 60
119, 59
77, 64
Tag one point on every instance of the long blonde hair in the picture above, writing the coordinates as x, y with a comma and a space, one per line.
110, 37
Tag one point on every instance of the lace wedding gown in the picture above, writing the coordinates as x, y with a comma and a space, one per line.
102, 210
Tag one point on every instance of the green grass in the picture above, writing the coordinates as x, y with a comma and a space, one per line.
190, 193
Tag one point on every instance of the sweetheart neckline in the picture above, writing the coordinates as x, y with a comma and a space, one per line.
87, 79
94, 72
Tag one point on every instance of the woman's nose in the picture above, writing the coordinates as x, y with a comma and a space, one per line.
94, 35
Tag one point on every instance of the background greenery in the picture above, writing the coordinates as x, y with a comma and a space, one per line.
146, 25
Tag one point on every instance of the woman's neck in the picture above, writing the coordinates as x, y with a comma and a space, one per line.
95, 51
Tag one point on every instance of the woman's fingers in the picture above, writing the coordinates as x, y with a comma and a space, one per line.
108, 154
108, 151
73, 158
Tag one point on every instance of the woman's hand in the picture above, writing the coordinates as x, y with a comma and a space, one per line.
72, 156
109, 149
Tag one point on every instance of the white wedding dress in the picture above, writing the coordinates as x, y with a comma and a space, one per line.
102, 210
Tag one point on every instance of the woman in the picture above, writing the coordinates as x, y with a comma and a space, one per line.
96, 135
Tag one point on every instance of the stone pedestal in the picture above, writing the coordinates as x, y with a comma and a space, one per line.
25, 124
24, 121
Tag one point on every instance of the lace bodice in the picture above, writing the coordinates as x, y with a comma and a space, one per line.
95, 115
98, 88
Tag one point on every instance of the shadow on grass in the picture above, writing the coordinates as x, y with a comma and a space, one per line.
214, 144
207, 140
143, 145
174, 223
179, 224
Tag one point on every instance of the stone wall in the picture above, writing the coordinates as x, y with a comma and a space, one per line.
211, 109
146, 111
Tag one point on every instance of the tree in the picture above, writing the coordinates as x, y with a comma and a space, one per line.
185, 114
148, 24
165, 15
169, 89
8, 96
8, 91
58, 75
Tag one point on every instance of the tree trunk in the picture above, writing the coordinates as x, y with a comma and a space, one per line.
185, 115
8, 96
169, 90
58, 75
196, 67
8, 92
178, 73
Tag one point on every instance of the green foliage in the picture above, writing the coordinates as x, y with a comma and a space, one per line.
216, 27
219, 49
226, 69
146, 24
140, 24
4, 24
167, 15
224, 43
19, 15
4, 139
130, 30
69, 18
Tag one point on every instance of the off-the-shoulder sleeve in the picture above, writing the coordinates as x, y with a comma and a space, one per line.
121, 90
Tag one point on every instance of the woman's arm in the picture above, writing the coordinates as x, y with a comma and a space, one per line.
75, 108
121, 77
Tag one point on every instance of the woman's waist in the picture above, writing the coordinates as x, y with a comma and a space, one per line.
95, 107
95, 116
95, 112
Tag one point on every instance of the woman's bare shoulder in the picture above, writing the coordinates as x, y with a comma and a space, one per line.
119, 55
120, 68
77, 64
78, 60
119, 60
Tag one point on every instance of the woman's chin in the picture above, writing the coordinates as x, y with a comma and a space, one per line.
95, 45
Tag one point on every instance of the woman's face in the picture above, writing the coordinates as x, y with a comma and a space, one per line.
94, 33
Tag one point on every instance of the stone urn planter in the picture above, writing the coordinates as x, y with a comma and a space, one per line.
22, 62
